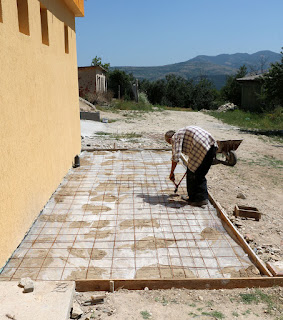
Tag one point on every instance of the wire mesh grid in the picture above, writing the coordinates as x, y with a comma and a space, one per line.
117, 217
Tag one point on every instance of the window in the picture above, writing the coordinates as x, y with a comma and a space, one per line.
66, 39
1, 18
23, 16
44, 25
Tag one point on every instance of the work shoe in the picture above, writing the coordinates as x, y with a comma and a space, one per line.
184, 197
198, 203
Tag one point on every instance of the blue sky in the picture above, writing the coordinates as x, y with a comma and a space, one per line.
160, 32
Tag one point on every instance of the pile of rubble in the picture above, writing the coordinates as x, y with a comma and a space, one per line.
90, 305
227, 107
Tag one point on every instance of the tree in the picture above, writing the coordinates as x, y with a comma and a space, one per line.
204, 95
273, 85
232, 89
98, 62
118, 79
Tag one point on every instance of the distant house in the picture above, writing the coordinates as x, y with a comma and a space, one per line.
251, 89
92, 80
39, 104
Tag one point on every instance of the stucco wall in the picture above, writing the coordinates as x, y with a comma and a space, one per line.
40, 120
88, 81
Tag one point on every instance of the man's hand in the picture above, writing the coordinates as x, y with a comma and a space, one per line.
173, 166
172, 176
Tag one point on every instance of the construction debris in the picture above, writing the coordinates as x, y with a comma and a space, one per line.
227, 107
247, 212
95, 299
27, 284
76, 312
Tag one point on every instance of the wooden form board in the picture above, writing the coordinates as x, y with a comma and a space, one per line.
228, 224
193, 284
126, 149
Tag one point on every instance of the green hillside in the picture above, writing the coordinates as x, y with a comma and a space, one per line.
215, 68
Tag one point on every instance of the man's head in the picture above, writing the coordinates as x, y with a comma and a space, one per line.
168, 136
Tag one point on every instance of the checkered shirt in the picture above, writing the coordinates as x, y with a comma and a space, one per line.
193, 142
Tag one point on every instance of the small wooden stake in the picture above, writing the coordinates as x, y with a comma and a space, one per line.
112, 287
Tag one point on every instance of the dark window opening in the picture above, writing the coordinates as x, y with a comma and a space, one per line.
66, 39
44, 26
1, 18
23, 18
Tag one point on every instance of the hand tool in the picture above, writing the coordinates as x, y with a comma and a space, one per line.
177, 185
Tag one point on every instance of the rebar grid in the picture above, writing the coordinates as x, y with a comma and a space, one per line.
117, 217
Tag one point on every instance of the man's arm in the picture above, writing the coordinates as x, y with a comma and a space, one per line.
173, 166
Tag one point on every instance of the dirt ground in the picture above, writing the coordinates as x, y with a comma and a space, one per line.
257, 177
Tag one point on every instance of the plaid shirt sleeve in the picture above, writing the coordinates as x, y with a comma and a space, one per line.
177, 144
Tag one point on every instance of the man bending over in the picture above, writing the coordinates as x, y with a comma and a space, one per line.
200, 147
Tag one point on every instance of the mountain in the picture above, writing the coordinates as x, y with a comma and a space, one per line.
214, 68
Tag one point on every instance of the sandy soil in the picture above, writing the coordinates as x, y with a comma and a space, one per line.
184, 304
257, 177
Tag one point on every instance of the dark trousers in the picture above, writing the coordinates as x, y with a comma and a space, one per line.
196, 181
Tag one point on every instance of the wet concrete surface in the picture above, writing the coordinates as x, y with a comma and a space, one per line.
117, 217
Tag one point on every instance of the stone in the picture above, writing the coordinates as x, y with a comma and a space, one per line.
98, 297
240, 195
27, 284
29, 287
238, 224
76, 311
23, 282
248, 237
200, 298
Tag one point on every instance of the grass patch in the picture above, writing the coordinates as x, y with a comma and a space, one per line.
145, 314
116, 136
248, 120
131, 135
194, 315
102, 133
258, 297
178, 109
215, 314
193, 305
235, 314
266, 161
141, 106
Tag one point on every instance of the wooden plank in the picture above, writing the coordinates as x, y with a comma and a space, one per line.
255, 259
193, 284
126, 149
247, 212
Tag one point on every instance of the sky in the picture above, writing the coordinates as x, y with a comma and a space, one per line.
160, 32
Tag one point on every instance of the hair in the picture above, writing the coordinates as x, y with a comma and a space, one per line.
169, 134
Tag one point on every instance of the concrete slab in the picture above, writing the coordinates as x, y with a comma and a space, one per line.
117, 217
49, 300
88, 127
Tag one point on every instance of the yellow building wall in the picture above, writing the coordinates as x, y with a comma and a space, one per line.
39, 115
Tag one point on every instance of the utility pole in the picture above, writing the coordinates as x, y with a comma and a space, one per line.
137, 94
